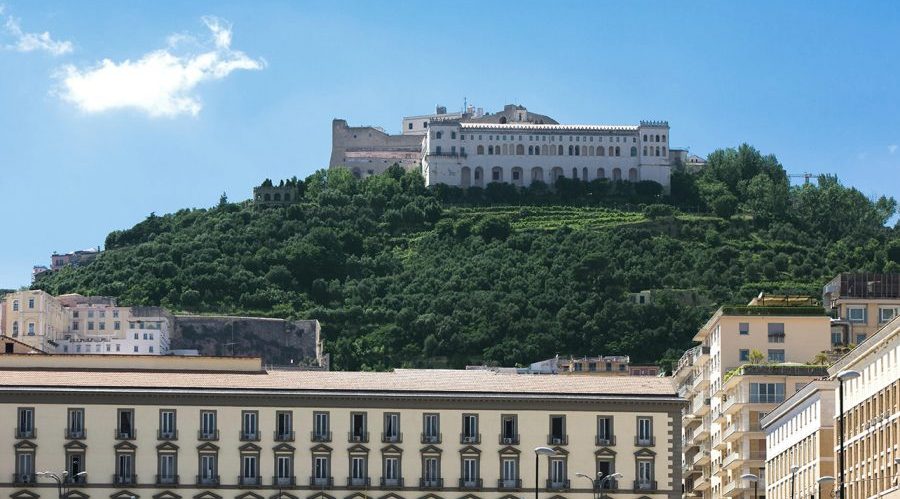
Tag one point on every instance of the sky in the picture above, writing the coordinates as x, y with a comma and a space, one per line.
112, 110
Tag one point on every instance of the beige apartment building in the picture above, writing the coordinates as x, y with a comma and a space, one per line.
862, 303
800, 443
871, 415
729, 390
168, 427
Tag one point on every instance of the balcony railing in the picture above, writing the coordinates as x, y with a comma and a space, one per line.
645, 485
27, 433
470, 483
284, 481
76, 479
557, 440
358, 481
509, 484
322, 483
509, 439
208, 480
608, 441
167, 435
431, 483
470, 439
283, 436
392, 437
557, 484
249, 480
391, 482
125, 435
611, 484
249, 436
166, 479
645, 441
75, 434
357, 436
320, 436
124, 479
23, 478
431, 439
207, 434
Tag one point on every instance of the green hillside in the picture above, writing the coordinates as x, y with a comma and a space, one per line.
401, 275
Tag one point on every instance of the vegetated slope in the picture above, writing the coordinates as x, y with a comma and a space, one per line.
401, 275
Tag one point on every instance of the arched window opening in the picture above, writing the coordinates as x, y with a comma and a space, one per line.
617, 174
584, 175
438, 135
520, 150
601, 173
633, 151
618, 151
465, 177
632, 175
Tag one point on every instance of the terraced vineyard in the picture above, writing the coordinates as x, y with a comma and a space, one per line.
545, 218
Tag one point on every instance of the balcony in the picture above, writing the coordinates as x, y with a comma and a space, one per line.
75, 434
77, 479
122, 479
249, 481
284, 481
701, 458
509, 439
470, 483
125, 434
23, 478
283, 436
732, 460
434, 438
320, 436
248, 436
166, 479
167, 435
358, 481
321, 482
734, 488
699, 405
26, 433
645, 485
208, 480
431, 483
358, 436
702, 482
392, 438
558, 484
700, 382
644, 441
470, 439
391, 483
207, 435
557, 440
504, 484
702, 356
608, 441
611, 484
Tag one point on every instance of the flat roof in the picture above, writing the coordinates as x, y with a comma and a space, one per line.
543, 128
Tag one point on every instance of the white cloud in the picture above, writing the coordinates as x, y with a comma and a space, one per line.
160, 83
30, 42
892, 148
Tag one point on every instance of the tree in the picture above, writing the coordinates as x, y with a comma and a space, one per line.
756, 357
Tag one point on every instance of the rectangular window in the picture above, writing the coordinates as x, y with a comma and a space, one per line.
167, 429
208, 467
26, 423
644, 431
766, 393
645, 475
321, 431
31, 303
776, 332
75, 429
470, 472
392, 470
856, 314
124, 468
249, 425
744, 328
358, 432
509, 468
75, 465
249, 468
90, 325
125, 431
470, 429
115, 314
776, 355
745, 355
320, 468
431, 428
558, 473
117, 325
30, 329
284, 426
886, 314
431, 472
509, 434
75, 325
167, 472
605, 431
391, 427
284, 469
557, 430
102, 326
24, 468
357, 470
208, 430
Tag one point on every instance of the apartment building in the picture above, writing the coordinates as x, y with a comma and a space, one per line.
604, 365
871, 413
862, 303
740, 370
800, 443
170, 427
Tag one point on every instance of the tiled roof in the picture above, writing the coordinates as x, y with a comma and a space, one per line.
399, 381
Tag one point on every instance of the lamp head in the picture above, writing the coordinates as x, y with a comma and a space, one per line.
544, 451
848, 374
750, 476
794, 469
582, 475
825, 479
615, 475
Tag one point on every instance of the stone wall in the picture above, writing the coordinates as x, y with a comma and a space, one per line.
367, 150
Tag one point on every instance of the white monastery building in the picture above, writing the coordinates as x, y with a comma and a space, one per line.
472, 149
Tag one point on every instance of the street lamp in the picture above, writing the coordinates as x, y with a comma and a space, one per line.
755, 479
822, 481
794, 469
607, 479
593, 482
538, 452
60, 479
842, 376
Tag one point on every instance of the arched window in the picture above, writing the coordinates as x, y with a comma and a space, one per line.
611, 151
601, 151
591, 151
15, 331
530, 150
465, 177
479, 150
496, 174
618, 152
479, 176
560, 151
556, 173
664, 138
537, 174
520, 150
15, 305
645, 150
544, 149
490, 150
267, 197
438, 135
503, 120
645, 137
632, 175
584, 175
657, 138
571, 150
355, 174
664, 151
575, 173
577, 149
601, 173
657, 150
633, 151
617, 174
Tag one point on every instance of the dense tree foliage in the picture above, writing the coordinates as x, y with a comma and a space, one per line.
402, 275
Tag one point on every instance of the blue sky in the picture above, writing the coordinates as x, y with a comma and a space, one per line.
201, 97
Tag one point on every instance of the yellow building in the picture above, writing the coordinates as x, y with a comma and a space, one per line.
862, 303
871, 413
33, 317
208, 428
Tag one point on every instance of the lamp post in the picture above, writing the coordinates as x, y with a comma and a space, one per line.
822, 480
593, 483
607, 479
842, 376
755, 479
60, 479
794, 469
538, 452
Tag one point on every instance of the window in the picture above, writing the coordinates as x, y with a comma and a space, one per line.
358, 471
557, 431
75, 465
249, 425
606, 467
431, 428
470, 429
31, 303
409, 127
208, 429
431, 472
745, 355
776, 355
438, 135
26, 423
75, 428
135, 349
321, 471
644, 432
208, 469
15, 306
479, 150
391, 471
358, 431
856, 314
776, 332
645, 475
509, 473
115, 313
509, 434
167, 429
886, 314
469, 472
125, 431
284, 428
284, 470
249, 469
744, 328
608, 366
30, 329
766, 393
391, 427
124, 468
15, 328
558, 474
452, 135
321, 431
102, 326
167, 471
605, 434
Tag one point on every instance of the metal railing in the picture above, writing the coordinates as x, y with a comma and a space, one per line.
124, 479
167, 435
28, 433
392, 438
470, 484
23, 478
509, 439
431, 483
208, 480
470, 439
249, 480
391, 482
321, 482
509, 484
166, 479
645, 485
76, 479
125, 435
605, 442
249, 436
358, 481
207, 434
320, 436
644, 442
283, 436
361, 437
431, 439
75, 434
558, 484
284, 481
557, 440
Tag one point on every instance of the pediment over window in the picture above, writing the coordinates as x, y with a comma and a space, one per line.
283, 495
167, 446
207, 447
358, 449
430, 449
249, 447
320, 449
283, 447
509, 496
605, 452
207, 495
356, 495
25, 445
644, 453
431, 496
125, 445
560, 451
470, 449
391, 495
320, 495
76, 494
557, 496
248, 495
166, 494
509, 449
391, 449
75, 445
24, 494
470, 496
124, 494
